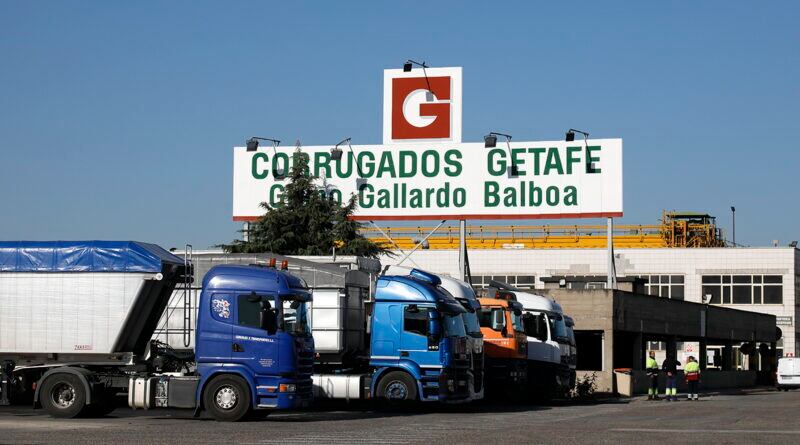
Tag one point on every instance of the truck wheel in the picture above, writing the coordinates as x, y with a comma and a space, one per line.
396, 387
63, 395
227, 398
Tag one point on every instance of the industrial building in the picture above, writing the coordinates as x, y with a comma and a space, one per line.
683, 258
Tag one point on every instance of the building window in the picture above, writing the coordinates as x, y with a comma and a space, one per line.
668, 286
518, 281
743, 289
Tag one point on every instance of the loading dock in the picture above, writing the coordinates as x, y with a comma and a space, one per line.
612, 328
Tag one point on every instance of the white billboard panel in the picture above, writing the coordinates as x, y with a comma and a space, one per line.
439, 180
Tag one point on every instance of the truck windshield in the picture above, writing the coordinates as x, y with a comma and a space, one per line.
453, 325
295, 317
471, 324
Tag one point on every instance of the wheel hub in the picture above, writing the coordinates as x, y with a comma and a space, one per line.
396, 391
63, 395
226, 397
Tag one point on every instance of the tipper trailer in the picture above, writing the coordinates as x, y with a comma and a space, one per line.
76, 321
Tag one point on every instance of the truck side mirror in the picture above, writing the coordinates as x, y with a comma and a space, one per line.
498, 319
268, 320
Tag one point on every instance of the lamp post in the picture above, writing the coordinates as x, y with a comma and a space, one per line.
733, 216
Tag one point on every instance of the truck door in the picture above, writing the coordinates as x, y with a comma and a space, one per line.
414, 341
214, 328
252, 346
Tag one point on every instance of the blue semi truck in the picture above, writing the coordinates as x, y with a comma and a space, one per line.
77, 320
392, 338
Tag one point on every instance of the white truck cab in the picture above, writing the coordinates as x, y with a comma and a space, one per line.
549, 345
788, 373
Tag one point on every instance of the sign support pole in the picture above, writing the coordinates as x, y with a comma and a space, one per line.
611, 275
462, 249
393, 243
419, 244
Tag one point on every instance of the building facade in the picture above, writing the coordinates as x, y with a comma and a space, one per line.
765, 280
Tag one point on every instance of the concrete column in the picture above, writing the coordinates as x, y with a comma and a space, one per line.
773, 357
638, 352
608, 350
727, 356
703, 358
752, 360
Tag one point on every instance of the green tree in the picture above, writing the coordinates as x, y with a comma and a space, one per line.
310, 222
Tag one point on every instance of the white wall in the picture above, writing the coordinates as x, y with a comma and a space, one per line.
692, 263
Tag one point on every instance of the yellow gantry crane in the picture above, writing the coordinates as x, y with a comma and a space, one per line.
677, 229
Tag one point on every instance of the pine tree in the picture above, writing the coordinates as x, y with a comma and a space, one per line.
310, 222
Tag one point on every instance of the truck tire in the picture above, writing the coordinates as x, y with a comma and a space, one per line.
227, 398
63, 395
396, 387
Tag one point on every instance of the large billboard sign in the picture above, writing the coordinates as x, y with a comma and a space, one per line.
445, 180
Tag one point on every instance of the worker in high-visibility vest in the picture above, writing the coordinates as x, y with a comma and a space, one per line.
692, 371
651, 366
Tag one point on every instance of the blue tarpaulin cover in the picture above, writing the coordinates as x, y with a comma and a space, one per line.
83, 256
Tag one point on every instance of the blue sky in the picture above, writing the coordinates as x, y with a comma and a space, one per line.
117, 119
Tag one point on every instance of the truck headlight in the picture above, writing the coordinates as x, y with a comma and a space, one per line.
287, 387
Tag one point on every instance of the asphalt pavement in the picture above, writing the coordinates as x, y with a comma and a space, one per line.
752, 416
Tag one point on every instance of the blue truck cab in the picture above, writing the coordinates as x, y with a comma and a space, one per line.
418, 346
252, 328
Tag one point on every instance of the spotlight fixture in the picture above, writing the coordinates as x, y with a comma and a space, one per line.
408, 65
490, 141
336, 152
571, 134
252, 143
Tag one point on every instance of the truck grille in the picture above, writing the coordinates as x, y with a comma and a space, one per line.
305, 387
305, 362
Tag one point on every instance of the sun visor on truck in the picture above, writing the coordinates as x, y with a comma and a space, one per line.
83, 256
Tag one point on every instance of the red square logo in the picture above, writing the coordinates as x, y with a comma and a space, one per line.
419, 108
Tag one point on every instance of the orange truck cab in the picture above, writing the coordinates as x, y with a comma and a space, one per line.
505, 345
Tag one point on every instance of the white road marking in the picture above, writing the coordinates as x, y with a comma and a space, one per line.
699, 431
